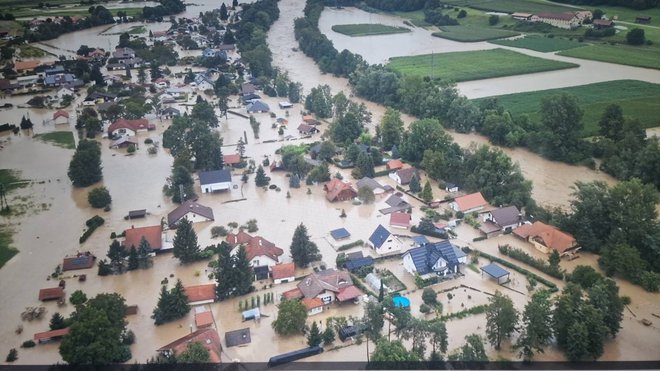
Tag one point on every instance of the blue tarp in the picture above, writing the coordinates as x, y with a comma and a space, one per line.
340, 233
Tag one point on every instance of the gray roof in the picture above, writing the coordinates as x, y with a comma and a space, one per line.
368, 182
494, 270
215, 176
379, 236
258, 106
506, 215
395, 201
189, 207
329, 279
424, 257
405, 175
238, 337
171, 110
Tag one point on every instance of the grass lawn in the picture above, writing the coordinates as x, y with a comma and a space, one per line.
416, 18
638, 99
540, 43
639, 56
629, 15
31, 51
6, 250
62, 139
472, 34
510, 6
474, 65
79, 11
366, 29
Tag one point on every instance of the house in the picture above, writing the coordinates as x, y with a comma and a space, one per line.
60, 117
123, 53
503, 219
396, 203
328, 285
384, 242
258, 106
46, 336
216, 180
248, 88
153, 235
282, 273
100, 97
238, 337
212, 53
313, 305
203, 82
175, 92
170, 112
161, 83
565, 20
56, 70
68, 79
200, 294
80, 261
54, 293
232, 159
404, 176
441, 259
250, 98
208, 337
124, 142
310, 120
260, 252
192, 211
602, 23
26, 66
394, 165
546, 238
226, 47
124, 127
400, 220
372, 184
469, 203
64, 91
451, 187
306, 129
285, 105
522, 16
337, 190
642, 19
27, 81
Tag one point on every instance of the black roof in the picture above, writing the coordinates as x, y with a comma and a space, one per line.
424, 257
238, 337
358, 263
215, 176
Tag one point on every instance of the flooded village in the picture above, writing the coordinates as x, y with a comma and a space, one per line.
384, 247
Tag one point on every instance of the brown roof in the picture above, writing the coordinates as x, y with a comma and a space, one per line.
135, 125
348, 293
329, 279
131, 310
337, 190
26, 65
208, 337
406, 174
470, 201
283, 271
51, 293
255, 246
231, 159
78, 262
400, 219
547, 235
152, 234
51, 334
60, 113
203, 319
305, 128
394, 164
567, 16
189, 207
602, 22
293, 294
311, 303
200, 292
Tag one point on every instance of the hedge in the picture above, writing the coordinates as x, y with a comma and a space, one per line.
92, 223
465, 313
540, 264
552, 286
415, 229
350, 245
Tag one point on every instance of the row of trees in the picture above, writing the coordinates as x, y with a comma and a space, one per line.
256, 19
121, 259
172, 304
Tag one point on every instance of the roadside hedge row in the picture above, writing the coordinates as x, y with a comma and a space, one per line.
350, 245
465, 313
540, 264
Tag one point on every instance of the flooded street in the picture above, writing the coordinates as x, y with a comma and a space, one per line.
48, 233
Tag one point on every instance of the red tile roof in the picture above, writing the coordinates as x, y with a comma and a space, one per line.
26, 65
547, 235
337, 190
208, 337
203, 319
283, 271
152, 234
394, 164
231, 159
292, 294
348, 293
200, 292
60, 113
311, 303
255, 246
470, 201
135, 125
51, 334
51, 293
400, 220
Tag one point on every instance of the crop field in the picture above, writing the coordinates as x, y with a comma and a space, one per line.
474, 65
638, 99
472, 34
638, 56
510, 6
540, 43
367, 29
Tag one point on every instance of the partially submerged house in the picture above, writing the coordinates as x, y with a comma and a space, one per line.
260, 252
192, 211
329, 285
546, 238
123, 127
207, 337
80, 261
200, 294
53, 293
60, 117
438, 259
238, 337
501, 220
52, 335
232, 159
216, 180
153, 235
283, 273
393, 165
400, 220
384, 242
469, 203
306, 129
337, 190
404, 176
372, 184
257, 107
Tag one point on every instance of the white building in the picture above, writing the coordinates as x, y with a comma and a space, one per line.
216, 180
384, 242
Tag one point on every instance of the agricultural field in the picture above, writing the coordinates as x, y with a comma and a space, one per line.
466, 66
6, 250
638, 99
638, 56
540, 43
367, 29
629, 15
62, 139
472, 34
510, 6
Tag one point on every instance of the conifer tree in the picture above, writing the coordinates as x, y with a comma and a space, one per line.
302, 249
243, 272
185, 244
314, 338
133, 261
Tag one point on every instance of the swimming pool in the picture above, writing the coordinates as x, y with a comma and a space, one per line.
401, 301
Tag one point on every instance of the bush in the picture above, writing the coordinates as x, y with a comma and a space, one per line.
148, 141
99, 197
424, 308
429, 296
28, 344
128, 338
131, 148
350, 245
12, 356
152, 150
493, 19
539, 264
218, 231
92, 223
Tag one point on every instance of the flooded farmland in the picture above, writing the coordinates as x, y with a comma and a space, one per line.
45, 235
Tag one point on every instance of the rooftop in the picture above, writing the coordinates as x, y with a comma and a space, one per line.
152, 234
189, 207
200, 292
340, 233
471, 201
285, 270
238, 337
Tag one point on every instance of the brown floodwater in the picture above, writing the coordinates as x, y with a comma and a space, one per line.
44, 237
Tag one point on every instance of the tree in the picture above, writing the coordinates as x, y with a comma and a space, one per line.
143, 251
326, 151
427, 192
604, 296
180, 185
501, 319
417, 330
172, 304
554, 259
636, 36
392, 353
493, 19
185, 245
612, 122
472, 351
414, 184
366, 194
430, 297
57, 322
536, 331
328, 336
99, 197
243, 272
225, 274
116, 256
85, 166
195, 352
562, 121
203, 112
224, 15
585, 276
391, 129
365, 165
314, 338
78, 298
438, 338
96, 76
294, 181
133, 261
291, 317
303, 251
261, 180
96, 332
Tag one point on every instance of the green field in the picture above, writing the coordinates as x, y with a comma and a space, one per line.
510, 6
62, 139
639, 56
416, 17
474, 65
540, 43
472, 34
367, 29
638, 99
24, 13
629, 15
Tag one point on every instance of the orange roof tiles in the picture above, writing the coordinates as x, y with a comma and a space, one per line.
394, 164
200, 292
152, 234
471, 201
203, 319
26, 65
231, 159
311, 303
547, 235
51, 334
283, 271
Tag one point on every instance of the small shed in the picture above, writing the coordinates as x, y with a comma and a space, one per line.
238, 337
136, 214
203, 317
82, 261
131, 310
251, 314
340, 234
496, 272
46, 336
53, 293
